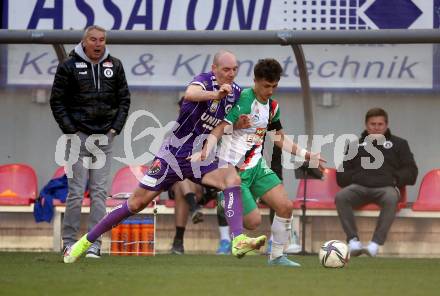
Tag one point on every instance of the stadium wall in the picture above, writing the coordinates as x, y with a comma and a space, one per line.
28, 132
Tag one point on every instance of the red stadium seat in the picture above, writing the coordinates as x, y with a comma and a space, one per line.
18, 184
429, 193
127, 179
170, 203
212, 204
58, 173
320, 193
125, 182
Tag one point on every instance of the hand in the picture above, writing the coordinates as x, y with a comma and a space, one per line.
224, 90
244, 121
316, 160
198, 156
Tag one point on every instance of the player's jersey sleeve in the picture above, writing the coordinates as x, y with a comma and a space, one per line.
275, 122
275, 126
203, 80
243, 106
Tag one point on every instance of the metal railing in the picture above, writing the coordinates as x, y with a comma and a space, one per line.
282, 37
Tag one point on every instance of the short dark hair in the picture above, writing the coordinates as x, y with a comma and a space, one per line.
373, 112
268, 69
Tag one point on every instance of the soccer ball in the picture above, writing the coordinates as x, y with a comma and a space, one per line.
334, 254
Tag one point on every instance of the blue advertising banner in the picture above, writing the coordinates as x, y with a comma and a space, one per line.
221, 14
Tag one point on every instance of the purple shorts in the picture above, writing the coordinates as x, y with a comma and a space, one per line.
162, 175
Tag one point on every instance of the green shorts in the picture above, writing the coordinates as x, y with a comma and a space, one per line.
255, 182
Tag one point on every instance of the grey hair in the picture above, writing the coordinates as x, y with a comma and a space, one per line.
93, 27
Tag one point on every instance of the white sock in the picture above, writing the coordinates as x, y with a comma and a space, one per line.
281, 235
224, 233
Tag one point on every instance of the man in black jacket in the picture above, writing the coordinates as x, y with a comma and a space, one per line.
383, 163
90, 101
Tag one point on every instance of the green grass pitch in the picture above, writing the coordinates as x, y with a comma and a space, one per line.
45, 274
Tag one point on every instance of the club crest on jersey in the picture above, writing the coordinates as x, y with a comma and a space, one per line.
388, 145
214, 106
80, 65
155, 167
228, 108
108, 73
107, 64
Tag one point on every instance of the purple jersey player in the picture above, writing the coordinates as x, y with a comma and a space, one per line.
196, 119
207, 100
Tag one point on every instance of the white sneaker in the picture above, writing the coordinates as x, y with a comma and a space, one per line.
94, 252
355, 247
293, 249
372, 249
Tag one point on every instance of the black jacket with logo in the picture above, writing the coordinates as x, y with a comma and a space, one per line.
91, 98
398, 168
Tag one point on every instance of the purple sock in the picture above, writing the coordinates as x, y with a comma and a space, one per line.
234, 210
109, 221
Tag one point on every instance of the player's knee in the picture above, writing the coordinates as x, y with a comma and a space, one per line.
285, 209
134, 206
252, 224
138, 201
232, 180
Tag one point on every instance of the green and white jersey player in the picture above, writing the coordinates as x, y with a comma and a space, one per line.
243, 148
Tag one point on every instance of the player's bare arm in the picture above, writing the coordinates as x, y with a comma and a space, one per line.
196, 93
285, 143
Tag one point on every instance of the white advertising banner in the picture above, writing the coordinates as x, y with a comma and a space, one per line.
338, 66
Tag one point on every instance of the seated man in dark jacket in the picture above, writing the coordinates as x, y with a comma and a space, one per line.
383, 163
